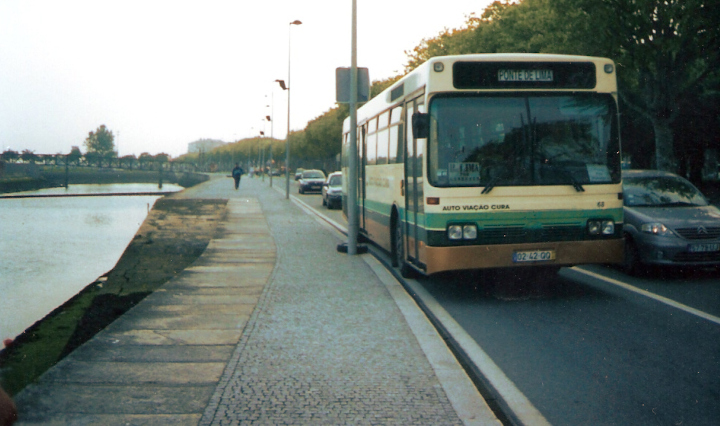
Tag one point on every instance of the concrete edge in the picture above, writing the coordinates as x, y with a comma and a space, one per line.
470, 406
515, 402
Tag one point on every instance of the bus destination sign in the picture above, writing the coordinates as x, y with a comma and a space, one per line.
525, 75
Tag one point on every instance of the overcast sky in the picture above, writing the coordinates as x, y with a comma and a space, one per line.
162, 74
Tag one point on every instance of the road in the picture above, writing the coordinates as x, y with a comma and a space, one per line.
593, 345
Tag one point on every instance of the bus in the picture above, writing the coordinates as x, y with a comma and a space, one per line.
492, 161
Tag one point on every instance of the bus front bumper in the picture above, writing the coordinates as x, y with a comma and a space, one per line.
566, 253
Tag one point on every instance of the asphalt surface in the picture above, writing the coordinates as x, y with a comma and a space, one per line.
591, 346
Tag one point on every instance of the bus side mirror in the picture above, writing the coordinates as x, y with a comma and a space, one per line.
420, 125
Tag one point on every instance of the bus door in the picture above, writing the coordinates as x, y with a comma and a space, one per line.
362, 148
413, 183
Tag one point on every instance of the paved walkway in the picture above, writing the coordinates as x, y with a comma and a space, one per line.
269, 326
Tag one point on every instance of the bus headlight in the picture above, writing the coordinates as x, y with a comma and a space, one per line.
608, 227
469, 232
601, 227
455, 232
462, 232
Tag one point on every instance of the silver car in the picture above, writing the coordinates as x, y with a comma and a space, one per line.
311, 181
668, 222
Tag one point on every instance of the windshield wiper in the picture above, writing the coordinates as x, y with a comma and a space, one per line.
575, 183
578, 187
490, 185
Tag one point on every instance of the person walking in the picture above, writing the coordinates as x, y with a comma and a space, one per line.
237, 173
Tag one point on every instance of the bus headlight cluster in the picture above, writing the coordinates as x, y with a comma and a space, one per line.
601, 227
462, 232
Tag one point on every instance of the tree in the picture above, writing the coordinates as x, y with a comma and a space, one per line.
10, 156
128, 160
670, 51
28, 156
75, 155
667, 54
144, 159
101, 142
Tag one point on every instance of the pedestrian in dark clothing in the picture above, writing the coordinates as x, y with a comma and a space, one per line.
237, 173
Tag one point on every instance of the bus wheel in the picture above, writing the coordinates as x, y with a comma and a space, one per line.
396, 243
398, 257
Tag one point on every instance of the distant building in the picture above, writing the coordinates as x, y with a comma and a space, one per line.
204, 145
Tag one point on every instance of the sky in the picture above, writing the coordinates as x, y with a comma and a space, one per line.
161, 74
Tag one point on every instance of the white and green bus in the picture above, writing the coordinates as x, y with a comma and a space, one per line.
492, 161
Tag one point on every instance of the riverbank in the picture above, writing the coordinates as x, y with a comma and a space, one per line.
51, 177
174, 234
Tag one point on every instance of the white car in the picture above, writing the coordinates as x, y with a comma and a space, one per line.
332, 191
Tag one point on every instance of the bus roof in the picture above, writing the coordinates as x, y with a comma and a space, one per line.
417, 79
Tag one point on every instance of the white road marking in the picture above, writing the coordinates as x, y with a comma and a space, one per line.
653, 296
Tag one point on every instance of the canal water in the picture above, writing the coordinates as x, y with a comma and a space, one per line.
51, 248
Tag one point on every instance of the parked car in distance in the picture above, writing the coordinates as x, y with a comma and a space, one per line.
668, 222
332, 191
311, 181
298, 173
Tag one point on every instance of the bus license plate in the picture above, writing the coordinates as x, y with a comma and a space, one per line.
534, 256
703, 248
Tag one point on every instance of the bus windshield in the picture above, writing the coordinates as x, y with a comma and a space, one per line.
523, 139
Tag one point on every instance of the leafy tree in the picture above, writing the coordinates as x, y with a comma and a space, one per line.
669, 51
10, 156
28, 156
144, 159
75, 155
448, 42
128, 160
101, 142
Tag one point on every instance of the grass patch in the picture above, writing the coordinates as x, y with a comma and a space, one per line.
41, 346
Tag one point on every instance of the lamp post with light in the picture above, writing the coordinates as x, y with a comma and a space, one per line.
287, 136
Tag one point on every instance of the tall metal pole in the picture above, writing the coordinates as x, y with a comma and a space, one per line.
262, 163
287, 137
272, 136
353, 155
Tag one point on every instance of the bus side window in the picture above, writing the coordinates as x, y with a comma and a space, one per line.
371, 149
394, 135
395, 153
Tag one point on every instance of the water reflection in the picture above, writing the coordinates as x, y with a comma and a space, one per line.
51, 248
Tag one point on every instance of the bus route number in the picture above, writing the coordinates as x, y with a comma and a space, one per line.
534, 256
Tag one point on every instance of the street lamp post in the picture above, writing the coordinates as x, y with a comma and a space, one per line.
287, 136
352, 207
272, 124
